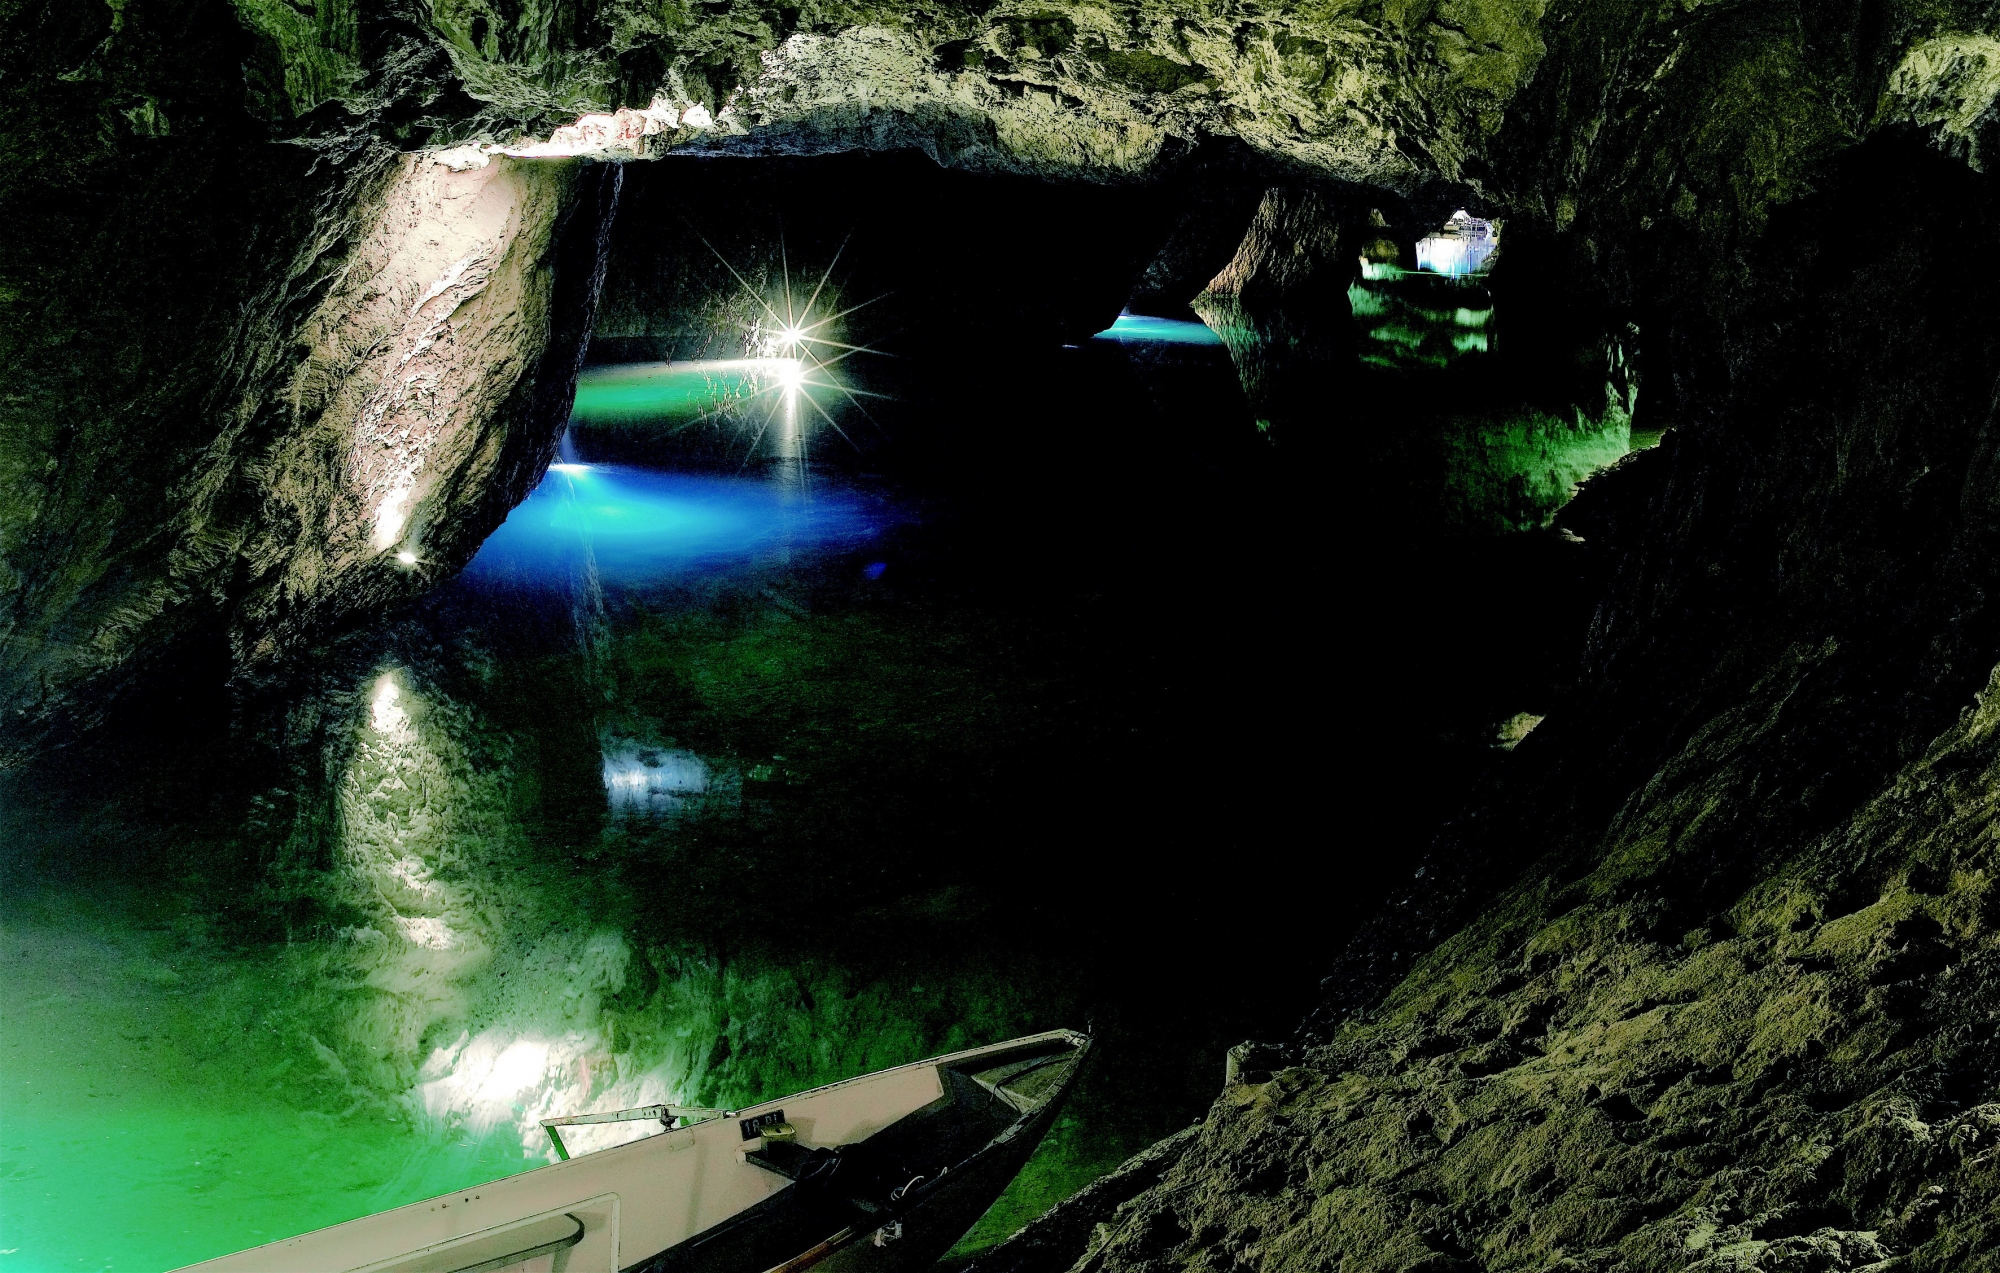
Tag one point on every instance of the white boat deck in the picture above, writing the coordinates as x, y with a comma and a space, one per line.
609, 1210
633, 1200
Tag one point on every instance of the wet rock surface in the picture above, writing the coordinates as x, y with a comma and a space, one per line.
1072, 1224
1736, 995
1280, 303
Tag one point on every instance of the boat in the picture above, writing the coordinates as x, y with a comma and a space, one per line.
876, 1174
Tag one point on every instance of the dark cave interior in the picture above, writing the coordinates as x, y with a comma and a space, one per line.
467, 655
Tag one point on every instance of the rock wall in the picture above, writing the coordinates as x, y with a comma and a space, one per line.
436, 377
1392, 95
1708, 980
204, 187
236, 363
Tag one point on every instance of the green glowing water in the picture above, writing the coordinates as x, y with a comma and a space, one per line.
550, 845
1414, 321
187, 1099
211, 1089
147, 1123
1424, 394
657, 391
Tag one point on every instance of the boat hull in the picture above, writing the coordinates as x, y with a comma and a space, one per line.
935, 1224
907, 1237
911, 1155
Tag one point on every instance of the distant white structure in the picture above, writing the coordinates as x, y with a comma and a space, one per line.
1462, 247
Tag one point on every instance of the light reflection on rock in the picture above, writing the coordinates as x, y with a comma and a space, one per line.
408, 805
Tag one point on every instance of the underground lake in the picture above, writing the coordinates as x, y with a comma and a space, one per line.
782, 735
728, 637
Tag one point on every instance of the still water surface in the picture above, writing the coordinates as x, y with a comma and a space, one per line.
1060, 698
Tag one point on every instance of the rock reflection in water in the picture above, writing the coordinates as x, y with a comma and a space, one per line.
1415, 321
1415, 382
467, 958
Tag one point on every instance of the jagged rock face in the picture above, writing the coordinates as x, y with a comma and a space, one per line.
1711, 983
254, 364
1290, 254
1204, 238
1802, 1080
436, 375
1391, 95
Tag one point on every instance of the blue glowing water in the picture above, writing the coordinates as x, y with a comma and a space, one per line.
637, 524
1148, 329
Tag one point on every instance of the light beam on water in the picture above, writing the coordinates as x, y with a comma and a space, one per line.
639, 524
1146, 329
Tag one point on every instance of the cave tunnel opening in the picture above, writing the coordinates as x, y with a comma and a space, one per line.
927, 700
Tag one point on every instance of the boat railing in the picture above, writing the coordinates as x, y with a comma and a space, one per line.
666, 1114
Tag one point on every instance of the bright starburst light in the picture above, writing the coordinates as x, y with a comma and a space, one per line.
795, 340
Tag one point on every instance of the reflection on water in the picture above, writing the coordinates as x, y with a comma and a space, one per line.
1419, 321
160, 1090
637, 523
720, 806
560, 868
744, 409
653, 391
652, 779
1144, 328
1459, 442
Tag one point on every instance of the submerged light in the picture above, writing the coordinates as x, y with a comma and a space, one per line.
407, 558
790, 371
636, 524
657, 779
